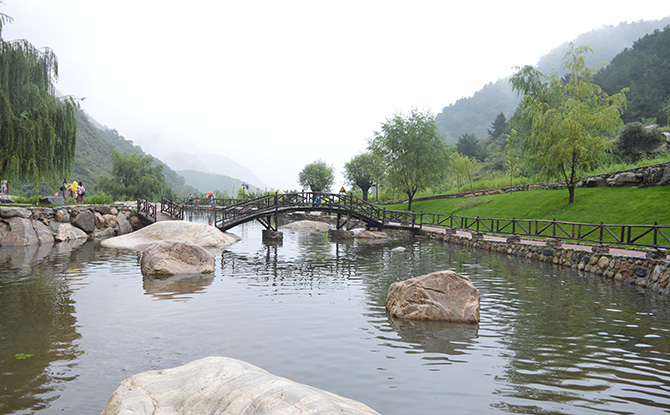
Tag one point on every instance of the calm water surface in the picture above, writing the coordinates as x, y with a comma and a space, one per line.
550, 340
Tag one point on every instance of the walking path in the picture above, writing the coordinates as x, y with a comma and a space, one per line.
577, 247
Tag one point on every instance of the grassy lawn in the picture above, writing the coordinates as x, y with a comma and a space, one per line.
610, 205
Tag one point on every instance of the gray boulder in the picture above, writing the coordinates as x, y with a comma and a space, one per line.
222, 386
123, 224
64, 232
665, 179
11, 212
52, 200
105, 233
176, 258
62, 215
442, 295
85, 220
626, 179
25, 232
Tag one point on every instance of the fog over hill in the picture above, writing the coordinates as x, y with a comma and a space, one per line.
474, 114
213, 164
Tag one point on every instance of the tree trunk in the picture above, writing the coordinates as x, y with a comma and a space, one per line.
365, 193
571, 191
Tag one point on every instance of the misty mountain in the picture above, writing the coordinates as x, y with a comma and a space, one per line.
474, 115
210, 182
212, 164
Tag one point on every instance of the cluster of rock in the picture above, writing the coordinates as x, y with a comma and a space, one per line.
21, 226
658, 174
652, 271
219, 385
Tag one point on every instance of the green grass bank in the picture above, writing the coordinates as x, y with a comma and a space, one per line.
610, 205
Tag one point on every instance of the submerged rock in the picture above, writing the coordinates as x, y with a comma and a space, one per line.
177, 230
442, 295
176, 258
219, 385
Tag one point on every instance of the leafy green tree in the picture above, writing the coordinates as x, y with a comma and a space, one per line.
572, 120
362, 171
134, 176
317, 176
415, 153
512, 154
37, 129
464, 168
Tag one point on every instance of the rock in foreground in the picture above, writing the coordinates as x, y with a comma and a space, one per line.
177, 230
442, 295
176, 258
219, 385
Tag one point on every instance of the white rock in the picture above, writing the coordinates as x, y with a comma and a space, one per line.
219, 385
177, 230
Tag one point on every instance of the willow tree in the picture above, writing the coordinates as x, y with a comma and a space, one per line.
414, 152
37, 129
572, 121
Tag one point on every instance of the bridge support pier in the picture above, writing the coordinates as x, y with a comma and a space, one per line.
270, 235
340, 234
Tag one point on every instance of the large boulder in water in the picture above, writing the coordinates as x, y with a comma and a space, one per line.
219, 385
177, 230
176, 258
442, 295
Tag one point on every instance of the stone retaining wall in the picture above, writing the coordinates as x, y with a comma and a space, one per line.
24, 226
651, 272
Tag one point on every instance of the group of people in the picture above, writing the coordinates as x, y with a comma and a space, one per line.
76, 191
3, 187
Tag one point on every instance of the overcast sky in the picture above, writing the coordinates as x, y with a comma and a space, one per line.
275, 84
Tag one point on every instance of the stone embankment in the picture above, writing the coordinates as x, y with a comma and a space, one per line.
654, 175
24, 226
649, 268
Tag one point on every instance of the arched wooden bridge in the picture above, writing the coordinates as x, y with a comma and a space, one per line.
347, 207
267, 208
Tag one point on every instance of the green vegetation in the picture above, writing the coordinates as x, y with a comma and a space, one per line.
134, 176
413, 151
363, 171
611, 205
37, 129
317, 176
569, 121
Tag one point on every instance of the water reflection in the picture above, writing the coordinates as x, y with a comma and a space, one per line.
176, 287
444, 340
38, 330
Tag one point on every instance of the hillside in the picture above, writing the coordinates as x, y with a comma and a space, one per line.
94, 147
474, 115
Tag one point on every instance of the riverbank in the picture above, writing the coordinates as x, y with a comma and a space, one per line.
649, 268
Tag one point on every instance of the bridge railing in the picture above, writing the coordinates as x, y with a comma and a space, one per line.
175, 210
146, 209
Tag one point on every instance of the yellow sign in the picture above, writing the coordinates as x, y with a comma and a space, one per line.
342, 190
